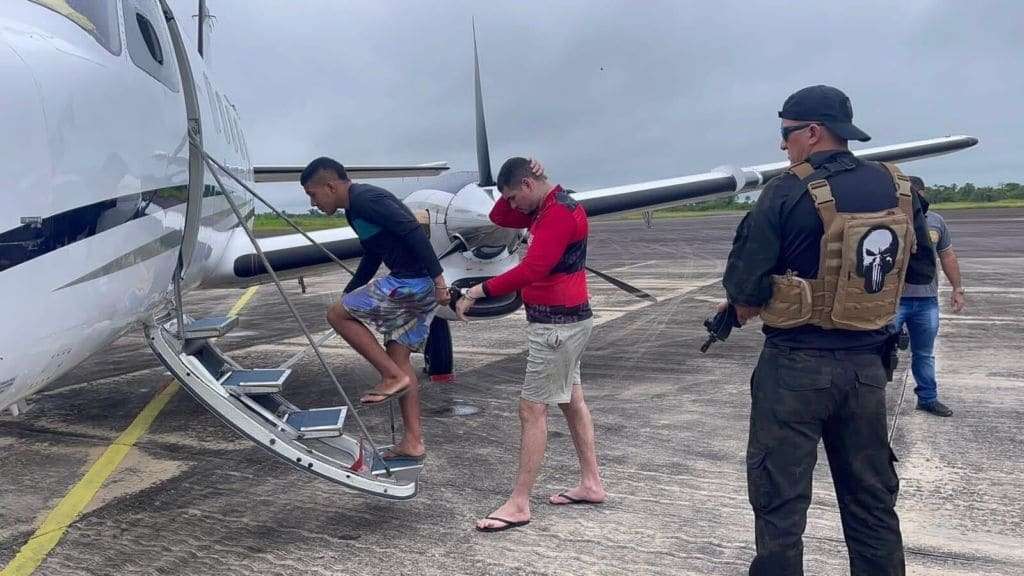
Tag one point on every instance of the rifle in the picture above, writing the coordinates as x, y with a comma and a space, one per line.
719, 326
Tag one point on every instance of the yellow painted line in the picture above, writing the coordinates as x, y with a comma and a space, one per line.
57, 521
243, 301
70, 507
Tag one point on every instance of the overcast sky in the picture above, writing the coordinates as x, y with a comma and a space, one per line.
609, 93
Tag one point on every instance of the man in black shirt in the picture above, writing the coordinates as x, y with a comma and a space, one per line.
400, 305
820, 375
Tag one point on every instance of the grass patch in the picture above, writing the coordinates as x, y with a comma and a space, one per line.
668, 213
688, 212
270, 224
1006, 203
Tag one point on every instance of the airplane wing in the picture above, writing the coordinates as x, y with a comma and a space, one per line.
292, 255
292, 173
729, 180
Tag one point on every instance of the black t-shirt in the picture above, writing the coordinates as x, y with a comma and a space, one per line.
783, 232
389, 233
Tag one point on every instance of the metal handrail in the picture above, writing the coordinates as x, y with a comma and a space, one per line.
278, 213
213, 165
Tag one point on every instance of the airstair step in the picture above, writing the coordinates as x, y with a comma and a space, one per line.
407, 466
255, 381
317, 422
273, 403
212, 327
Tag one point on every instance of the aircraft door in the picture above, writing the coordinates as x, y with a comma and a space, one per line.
193, 213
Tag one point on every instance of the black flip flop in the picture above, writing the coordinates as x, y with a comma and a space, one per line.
390, 456
571, 500
508, 525
384, 397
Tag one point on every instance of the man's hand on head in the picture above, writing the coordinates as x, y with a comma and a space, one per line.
537, 168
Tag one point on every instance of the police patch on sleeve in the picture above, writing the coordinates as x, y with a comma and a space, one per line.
876, 256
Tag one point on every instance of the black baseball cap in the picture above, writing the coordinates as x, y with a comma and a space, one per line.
827, 105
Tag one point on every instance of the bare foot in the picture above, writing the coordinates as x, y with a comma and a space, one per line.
387, 387
579, 495
509, 512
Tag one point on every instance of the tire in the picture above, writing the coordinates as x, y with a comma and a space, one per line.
438, 351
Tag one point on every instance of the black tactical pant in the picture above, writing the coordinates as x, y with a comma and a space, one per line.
799, 397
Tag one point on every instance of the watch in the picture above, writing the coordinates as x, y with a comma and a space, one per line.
960, 290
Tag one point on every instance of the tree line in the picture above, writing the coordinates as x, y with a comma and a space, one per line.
970, 193
936, 194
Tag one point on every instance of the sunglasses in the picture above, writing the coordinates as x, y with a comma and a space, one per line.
787, 130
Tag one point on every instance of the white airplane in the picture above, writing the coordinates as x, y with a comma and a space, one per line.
114, 205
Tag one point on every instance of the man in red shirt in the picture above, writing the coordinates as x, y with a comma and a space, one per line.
553, 283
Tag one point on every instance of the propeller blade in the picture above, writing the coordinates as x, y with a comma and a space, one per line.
628, 288
457, 245
483, 155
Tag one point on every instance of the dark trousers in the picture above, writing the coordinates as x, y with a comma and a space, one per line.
799, 397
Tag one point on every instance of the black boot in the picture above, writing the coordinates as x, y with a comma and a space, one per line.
937, 408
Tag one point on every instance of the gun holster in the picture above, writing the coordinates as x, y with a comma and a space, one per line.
890, 351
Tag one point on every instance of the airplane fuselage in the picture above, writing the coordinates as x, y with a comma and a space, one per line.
95, 182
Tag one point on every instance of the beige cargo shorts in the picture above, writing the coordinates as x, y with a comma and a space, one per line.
553, 360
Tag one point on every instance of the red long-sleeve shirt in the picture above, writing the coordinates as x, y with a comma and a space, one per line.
551, 276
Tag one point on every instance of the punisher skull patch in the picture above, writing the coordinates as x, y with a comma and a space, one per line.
876, 257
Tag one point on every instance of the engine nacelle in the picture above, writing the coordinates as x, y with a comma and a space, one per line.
468, 219
470, 247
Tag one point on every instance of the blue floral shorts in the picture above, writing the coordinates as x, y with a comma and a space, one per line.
400, 309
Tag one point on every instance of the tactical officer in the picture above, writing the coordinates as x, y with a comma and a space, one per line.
822, 258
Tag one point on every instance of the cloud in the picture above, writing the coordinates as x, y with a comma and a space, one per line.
614, 92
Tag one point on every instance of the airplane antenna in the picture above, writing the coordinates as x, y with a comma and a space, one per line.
483, 155
202, 20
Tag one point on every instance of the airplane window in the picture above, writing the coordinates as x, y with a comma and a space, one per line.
213, 103
223, 118
232, 120
38, 236
245, 143
149, 36
234, 128
97, 17
149, 43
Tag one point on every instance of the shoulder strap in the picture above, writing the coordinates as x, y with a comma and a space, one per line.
821, 193
905, 198
802, 170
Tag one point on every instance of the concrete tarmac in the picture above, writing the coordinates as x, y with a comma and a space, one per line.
192, 497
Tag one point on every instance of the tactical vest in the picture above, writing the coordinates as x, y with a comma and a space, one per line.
863, 262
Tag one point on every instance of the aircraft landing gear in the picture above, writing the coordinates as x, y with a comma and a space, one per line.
438, 351
18, 408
